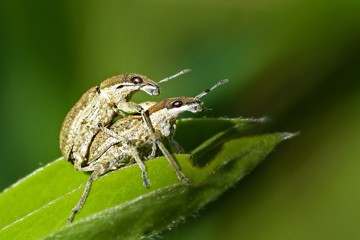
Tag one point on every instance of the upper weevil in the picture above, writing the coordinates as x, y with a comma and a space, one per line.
99, 105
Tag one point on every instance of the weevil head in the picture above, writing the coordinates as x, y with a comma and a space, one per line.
123, 86
178, 105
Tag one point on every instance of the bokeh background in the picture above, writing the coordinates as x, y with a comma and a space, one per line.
296, 62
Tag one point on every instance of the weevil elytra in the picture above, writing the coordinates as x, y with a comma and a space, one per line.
99, 105
129, 138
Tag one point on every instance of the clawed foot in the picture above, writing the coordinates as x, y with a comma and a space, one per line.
184, 179
146, 180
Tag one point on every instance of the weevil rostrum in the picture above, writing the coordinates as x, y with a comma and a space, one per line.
131, 139
99, 105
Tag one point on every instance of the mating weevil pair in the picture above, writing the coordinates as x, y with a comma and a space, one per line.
92, 147
99, 105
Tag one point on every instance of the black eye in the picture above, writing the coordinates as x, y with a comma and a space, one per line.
177, 104
137, 80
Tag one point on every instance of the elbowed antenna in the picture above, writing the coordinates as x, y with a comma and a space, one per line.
182, 72
206, 91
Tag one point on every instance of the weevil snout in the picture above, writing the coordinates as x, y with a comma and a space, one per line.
194, 105
197, 107
151, 89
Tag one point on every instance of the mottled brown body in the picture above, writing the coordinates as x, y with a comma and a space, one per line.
99, 105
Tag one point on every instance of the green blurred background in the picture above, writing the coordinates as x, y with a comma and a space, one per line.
296, 62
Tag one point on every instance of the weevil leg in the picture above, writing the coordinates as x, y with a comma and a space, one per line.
112, 134
133, 152
173, 163
98, 170
175, 146
81, 149
147, 105
153, 151
81, 202
168, 156
78, 161
129, 107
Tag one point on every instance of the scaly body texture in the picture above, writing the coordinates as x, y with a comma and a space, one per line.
99, 105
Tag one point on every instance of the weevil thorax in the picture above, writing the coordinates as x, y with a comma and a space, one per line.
163, 114
120, 88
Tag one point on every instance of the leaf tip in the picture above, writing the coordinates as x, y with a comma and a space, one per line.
288, 135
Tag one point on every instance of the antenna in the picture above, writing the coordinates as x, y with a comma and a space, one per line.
175, 75
206, 91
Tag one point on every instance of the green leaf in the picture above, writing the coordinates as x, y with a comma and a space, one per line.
118, 205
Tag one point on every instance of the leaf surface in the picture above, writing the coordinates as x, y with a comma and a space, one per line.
118, 205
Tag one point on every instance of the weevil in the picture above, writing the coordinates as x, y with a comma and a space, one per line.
99, 105
130, 139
